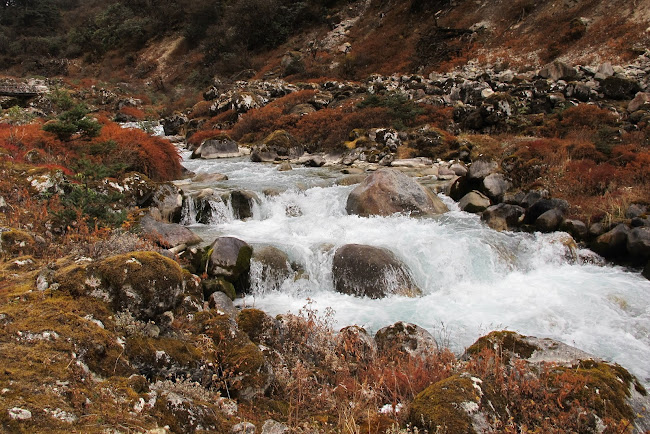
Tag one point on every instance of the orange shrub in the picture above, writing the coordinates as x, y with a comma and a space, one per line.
155, 157
287, 102
200, 136
133, 112
586, 115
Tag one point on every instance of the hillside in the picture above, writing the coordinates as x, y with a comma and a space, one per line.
161, 42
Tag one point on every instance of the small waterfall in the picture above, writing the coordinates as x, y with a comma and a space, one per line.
188, 212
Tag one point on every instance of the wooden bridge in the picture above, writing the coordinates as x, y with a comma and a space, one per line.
20, 90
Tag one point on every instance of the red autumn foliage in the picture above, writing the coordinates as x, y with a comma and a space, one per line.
200, 136
133, 112
153, 156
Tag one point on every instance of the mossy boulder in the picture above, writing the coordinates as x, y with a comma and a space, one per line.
229, 258
256, 324
144, 283
15, 242
243, 371
220, 284
159, 358
407, 339
444, 407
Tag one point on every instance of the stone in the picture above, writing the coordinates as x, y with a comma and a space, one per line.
173, 125
209, 178
482, 168
596, 230
503, 217
355, 344
169, 201
388, 191
17, 413
221, 147
558, 71
269, 267
302, 109
495, 186
285, 166
222, 303
575, 228
459, 169
167, 235
145, 283
646, 271
274, 427
229, 258
638, 244
474, 202
219, 284
373, 272
639, 101
449, 403
541, 206
406, 338
244, 428
612, 244
604, 70
635, 210
242, 203
549, 221
619, 88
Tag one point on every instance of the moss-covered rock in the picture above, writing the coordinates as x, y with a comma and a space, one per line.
229, 258
144, 283
210, 286
444, 407
406, 338
15, 242
503, 342
255, 323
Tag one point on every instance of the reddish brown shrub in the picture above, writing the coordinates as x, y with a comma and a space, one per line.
133, 112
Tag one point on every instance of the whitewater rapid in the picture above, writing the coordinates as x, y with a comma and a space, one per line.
474, 279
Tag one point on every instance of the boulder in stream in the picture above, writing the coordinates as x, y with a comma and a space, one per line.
229, 257
389, 191
373, 272
168, 235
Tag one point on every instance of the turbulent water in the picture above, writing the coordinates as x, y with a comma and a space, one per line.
474, 279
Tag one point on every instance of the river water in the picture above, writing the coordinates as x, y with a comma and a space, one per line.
474, 279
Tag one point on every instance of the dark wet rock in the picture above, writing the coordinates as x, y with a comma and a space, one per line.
576, 228
474, 202
406, 338
543, 205
635, 210
270, 266
229, 257
167, 235
615, 87
388, 191
373, 272
612, 244
549, 221
503, 216
242, 203
638, 244
646, 271
174, 124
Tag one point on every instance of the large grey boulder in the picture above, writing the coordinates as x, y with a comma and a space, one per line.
541, 206
242, 203
169, 200
229, 258
495, 186
576, 228
222, 147
474, 202
558, 71
406, 338
482, 168
373, 272
167, 235
388, 191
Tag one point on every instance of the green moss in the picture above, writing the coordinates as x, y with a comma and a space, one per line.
439, 407
253, 322
280, 139
502, 342
608, 388
219, 284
